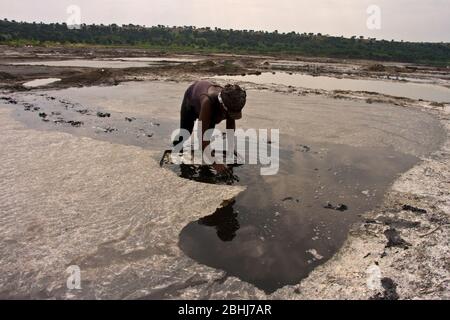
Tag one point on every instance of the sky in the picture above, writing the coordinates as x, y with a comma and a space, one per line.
409, 20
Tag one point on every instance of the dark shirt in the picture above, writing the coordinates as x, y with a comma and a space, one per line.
195, 92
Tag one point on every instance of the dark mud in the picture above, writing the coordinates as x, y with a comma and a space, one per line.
414, 209
47, 112
390, 290
12, 77
395, 240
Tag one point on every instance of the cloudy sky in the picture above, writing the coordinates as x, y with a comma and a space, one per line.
411, 20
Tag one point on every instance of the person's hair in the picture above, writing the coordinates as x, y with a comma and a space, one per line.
234, 97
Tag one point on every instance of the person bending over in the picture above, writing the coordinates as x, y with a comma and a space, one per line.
211, 104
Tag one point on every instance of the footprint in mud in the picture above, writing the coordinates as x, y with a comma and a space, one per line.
303, 148
27, 107
340, 207
75, 123
103, 114
83, 111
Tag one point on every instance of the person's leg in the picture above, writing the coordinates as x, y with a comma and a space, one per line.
187, 120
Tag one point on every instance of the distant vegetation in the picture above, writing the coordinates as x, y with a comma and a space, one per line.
220, 40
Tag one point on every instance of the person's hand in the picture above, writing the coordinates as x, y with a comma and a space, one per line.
225, 173
220, 168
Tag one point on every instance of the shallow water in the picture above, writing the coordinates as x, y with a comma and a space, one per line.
408, 90
115, 63
40, 82
48, 111
178, 59
278, 230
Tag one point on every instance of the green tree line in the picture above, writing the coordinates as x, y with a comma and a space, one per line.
216, 39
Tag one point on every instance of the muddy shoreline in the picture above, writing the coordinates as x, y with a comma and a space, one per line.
13, 77
405, 239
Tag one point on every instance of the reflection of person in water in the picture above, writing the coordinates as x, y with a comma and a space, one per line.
225, 221
211, 104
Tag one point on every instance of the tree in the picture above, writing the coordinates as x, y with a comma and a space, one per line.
226, 40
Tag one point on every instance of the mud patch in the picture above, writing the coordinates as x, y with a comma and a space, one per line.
395, 240
47, 112
390, 290
7, 76
414, 209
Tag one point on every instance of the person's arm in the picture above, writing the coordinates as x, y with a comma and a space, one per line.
231, 124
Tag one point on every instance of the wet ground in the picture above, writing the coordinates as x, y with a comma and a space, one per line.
416, 91
282, 227
50, 111
40, 82
134, 228
124, 62
75, 67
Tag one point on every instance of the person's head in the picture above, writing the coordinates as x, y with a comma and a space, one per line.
233, 99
